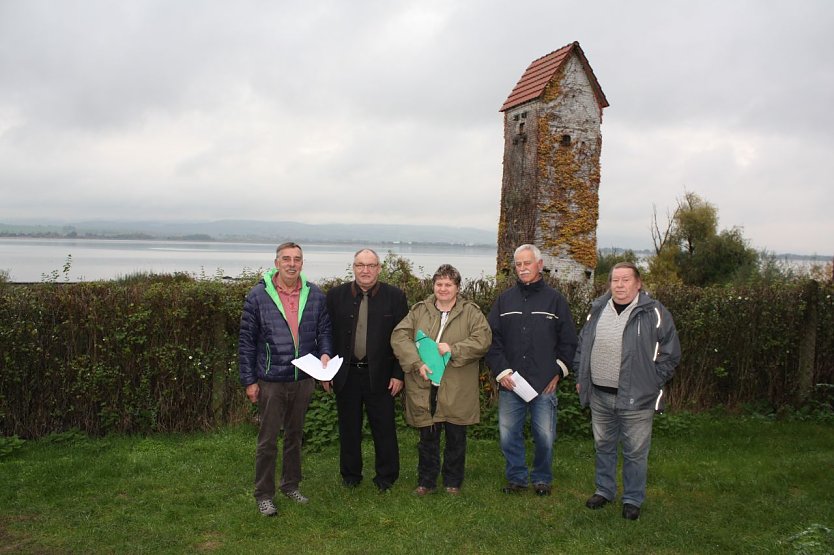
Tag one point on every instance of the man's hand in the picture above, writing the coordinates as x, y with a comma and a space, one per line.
551, 387
444, 348
395, 386
252, 391
507, 382
325, 359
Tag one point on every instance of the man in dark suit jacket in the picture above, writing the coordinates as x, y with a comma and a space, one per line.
370, 374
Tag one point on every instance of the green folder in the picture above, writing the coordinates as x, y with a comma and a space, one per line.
427, 349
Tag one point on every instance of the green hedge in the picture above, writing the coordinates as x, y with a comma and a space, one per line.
160, 353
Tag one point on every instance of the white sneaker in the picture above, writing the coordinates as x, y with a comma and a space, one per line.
267, 507
296, 496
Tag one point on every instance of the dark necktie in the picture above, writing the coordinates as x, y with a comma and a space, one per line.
361, 329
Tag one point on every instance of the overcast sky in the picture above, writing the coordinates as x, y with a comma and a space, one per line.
387, 111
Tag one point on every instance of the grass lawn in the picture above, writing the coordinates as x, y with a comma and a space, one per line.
716, 485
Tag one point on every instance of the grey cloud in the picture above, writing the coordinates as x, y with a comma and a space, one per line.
192, 110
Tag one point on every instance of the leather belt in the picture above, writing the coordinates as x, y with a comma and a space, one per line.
359, 364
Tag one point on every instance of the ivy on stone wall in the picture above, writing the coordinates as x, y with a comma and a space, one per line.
570, 208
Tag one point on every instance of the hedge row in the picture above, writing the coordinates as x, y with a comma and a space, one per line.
160, 353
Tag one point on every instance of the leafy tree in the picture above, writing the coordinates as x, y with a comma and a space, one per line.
692, 250
663, 266
696, 220
721, 258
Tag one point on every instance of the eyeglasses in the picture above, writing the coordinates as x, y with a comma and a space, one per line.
366, 266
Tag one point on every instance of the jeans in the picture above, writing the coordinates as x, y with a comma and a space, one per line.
512, 414
454, 455
281, 405
634, 429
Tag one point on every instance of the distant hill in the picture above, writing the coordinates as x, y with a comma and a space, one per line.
257, 231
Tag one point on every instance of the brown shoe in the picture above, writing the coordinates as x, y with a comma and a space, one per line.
452, 490
596, 501
422, 491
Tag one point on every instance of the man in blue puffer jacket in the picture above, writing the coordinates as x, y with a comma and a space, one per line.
284, 317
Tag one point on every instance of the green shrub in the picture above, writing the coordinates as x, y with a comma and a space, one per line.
9, 445
159, 353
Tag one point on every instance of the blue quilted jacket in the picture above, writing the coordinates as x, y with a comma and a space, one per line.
266, 348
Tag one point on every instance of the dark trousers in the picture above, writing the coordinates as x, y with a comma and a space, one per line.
379, 406
280, 405
454, 455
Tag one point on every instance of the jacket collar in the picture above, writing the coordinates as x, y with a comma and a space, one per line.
431, 299
530, 288
355, 290
643, 299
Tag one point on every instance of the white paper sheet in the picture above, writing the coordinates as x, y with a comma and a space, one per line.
523, 388
312, 366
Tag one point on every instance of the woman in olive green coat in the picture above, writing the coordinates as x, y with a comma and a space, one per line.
460, 328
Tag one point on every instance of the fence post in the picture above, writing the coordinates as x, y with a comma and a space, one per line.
807, 344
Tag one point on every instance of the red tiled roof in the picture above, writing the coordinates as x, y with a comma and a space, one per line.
541, 71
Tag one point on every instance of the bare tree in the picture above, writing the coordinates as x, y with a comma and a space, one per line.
661, 238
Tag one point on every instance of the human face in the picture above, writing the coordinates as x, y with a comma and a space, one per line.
445, 291
289, 263
366, 270
527, 268
624, 285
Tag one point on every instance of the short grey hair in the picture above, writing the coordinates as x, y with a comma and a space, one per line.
288, 245
537, 254
372, 251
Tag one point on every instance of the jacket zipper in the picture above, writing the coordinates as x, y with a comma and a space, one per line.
268, 359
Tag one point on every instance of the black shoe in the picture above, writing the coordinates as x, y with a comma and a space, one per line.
596, 501
513, 488
631, 512
382, 483
542, 489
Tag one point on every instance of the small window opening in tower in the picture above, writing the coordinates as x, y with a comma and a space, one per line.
523, 115
565, 140
521, 127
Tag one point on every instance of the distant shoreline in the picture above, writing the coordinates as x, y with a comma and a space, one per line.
232, 239
254, 240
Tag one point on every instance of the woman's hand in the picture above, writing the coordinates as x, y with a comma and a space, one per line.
424, 372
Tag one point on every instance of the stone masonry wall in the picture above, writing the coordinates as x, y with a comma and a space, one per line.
519, 189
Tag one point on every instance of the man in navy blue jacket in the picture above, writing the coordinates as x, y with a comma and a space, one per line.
533, 337
284, 317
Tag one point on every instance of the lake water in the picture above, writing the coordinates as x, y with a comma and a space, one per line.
33, 260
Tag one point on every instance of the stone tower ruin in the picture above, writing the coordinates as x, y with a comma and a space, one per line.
552, 144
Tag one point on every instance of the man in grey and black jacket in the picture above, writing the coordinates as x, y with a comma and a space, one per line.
628, 350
